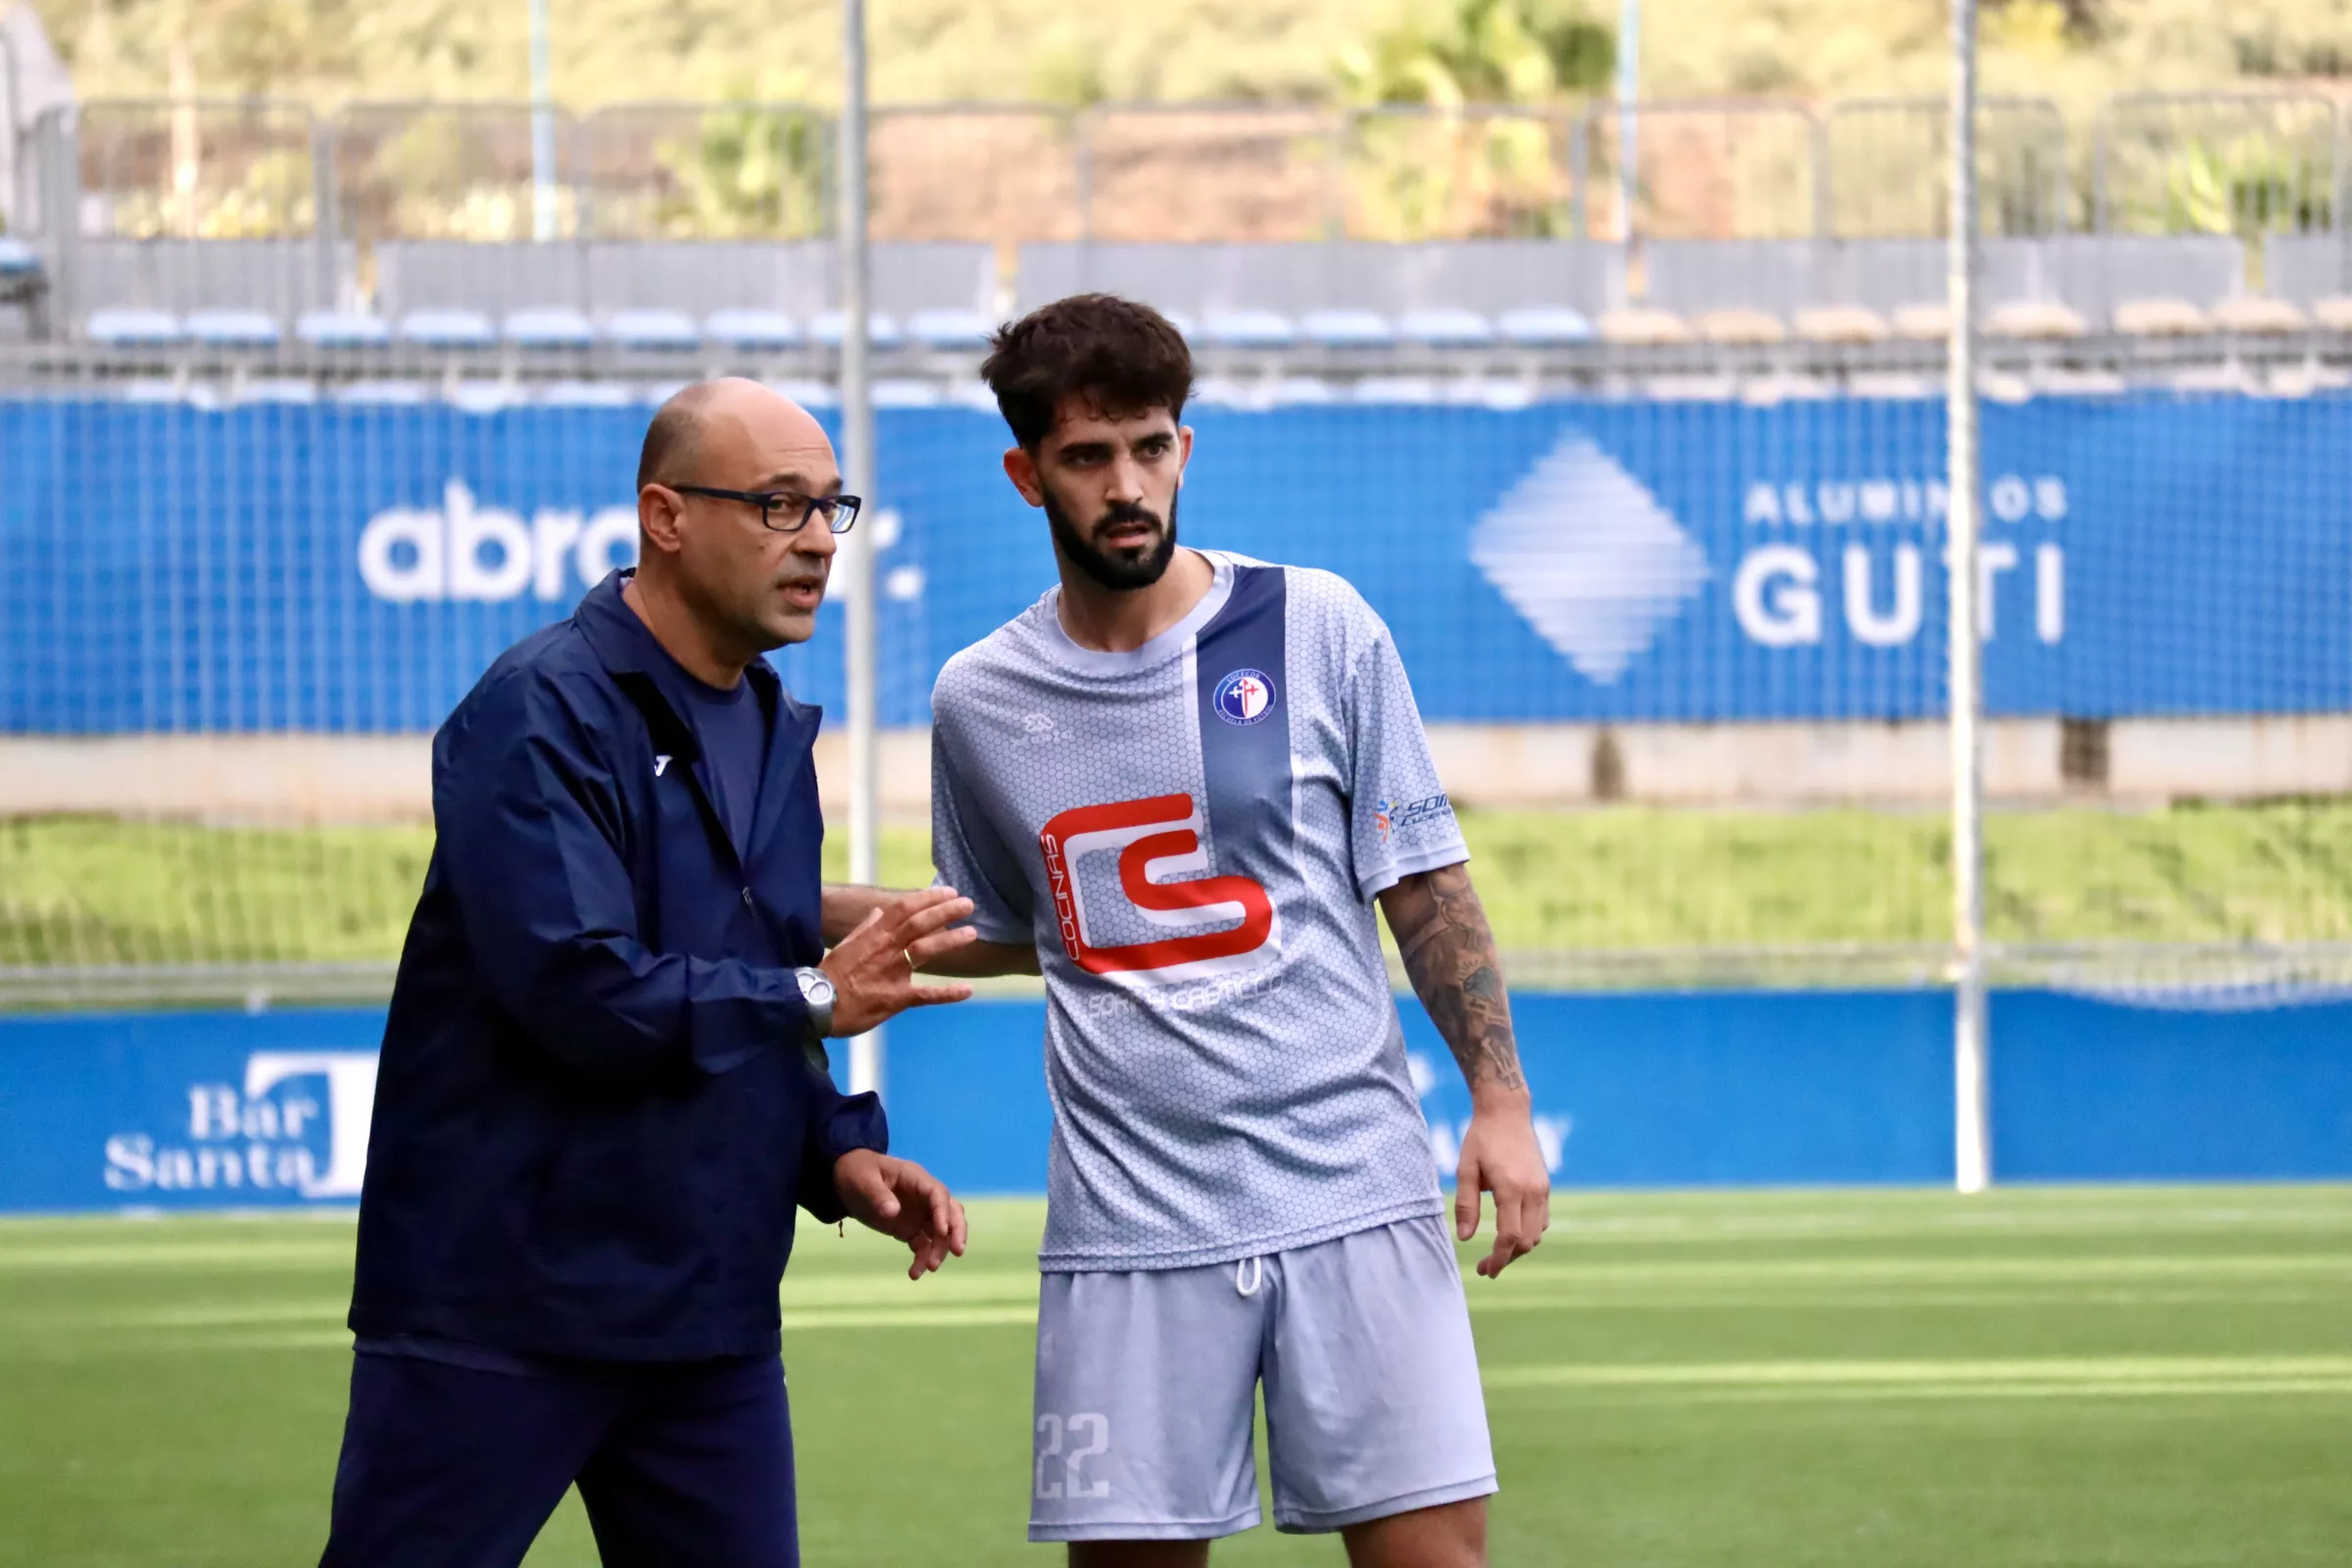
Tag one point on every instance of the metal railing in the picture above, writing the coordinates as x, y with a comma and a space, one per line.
2219, 162
148, 202
449, 171
1481, 172
1886, 160
2235, 162
705, 170
992, 174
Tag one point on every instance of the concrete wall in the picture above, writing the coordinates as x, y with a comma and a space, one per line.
323, 778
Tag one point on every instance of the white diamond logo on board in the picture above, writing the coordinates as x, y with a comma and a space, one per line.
1583, 551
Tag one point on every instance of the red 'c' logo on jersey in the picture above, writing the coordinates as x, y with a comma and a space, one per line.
1161, 835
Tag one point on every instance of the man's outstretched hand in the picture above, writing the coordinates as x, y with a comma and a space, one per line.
900, 1198
872, 970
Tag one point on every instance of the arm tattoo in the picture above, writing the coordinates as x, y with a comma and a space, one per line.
1449, 957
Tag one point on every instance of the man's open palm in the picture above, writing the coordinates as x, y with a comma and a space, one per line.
872, 970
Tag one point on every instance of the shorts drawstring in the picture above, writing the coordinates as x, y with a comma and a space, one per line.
1248, 1275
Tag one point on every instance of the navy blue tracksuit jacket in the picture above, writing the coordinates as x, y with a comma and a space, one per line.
594, 1113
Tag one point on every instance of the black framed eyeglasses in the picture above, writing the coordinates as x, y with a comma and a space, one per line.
786, 511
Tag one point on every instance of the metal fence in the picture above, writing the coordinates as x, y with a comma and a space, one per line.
989, 174
2245, 164
2238, 164
1888, 161
699, 170
203, 169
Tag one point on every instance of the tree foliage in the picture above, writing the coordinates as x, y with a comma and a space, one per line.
1375, 51
1457, 52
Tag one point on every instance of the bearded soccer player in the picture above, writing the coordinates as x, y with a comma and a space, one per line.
1178, 783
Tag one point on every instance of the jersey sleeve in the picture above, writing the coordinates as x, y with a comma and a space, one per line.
971, 858
1400, 819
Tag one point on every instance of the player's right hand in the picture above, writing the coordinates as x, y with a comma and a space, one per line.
872, 970
1500, 1156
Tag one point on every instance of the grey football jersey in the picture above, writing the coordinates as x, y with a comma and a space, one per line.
1192, 834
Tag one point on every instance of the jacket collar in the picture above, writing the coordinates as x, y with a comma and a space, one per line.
626, 647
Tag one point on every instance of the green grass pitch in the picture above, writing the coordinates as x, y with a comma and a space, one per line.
83, 890
2153, 1378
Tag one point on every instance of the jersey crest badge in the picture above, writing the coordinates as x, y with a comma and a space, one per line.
1243, 696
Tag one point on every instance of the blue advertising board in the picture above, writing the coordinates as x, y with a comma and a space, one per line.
213, 1111
352, 570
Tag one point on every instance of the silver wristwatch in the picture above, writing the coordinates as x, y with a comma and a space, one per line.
817, 990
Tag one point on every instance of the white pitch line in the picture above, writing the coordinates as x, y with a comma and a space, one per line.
2053, 1370
321, 1253
1584, 1273
1644, 1230
1831, 1299
1929, 1392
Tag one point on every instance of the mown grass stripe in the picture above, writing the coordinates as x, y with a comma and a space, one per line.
1565, 1267
174, 1255
2050, 1370
1941, 1392
1831, 1298
892, 1310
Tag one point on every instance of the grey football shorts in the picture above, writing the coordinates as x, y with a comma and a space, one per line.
1146, 1380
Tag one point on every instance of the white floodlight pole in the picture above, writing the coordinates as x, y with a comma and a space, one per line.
857, 477
543, 127
1629, 98
1971, 1132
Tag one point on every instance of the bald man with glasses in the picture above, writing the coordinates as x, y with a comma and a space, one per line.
603, 1086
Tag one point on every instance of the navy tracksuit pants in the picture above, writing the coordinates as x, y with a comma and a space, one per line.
681, 1465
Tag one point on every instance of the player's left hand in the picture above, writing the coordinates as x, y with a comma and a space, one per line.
900, 1198
1500, 1156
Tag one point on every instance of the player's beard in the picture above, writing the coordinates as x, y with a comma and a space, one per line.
1123, 571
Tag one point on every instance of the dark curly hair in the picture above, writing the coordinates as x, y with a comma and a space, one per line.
1122, 358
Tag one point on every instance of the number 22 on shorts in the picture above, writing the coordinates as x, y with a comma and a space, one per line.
1093, 1434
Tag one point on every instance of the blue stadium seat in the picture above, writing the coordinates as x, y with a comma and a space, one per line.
881, 332
1223, 392
483, 396
586, 395
155, 389
1446, 328
447, 329
274, 389
652, 329
1499, 392
341, 329
17, 259
1347, 329
233, 329
384, 394
1248, 330
1395, 389
121, 327
972, 393
549, 326
1302, 389
1544, 327
906, 393
950, 330
752, 330
810, 394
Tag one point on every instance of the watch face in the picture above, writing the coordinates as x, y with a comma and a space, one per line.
817, 990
